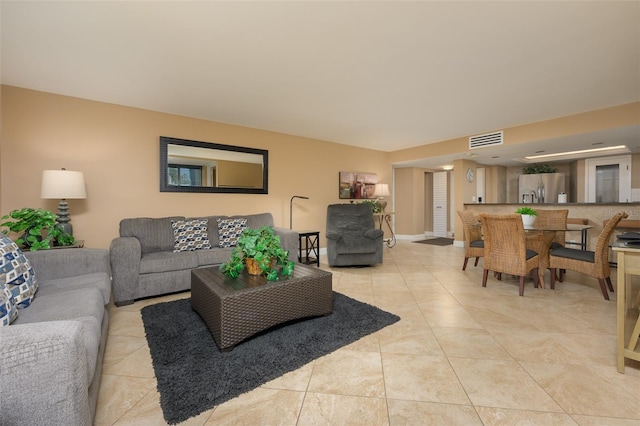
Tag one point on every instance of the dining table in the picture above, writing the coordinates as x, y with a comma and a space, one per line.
539, 238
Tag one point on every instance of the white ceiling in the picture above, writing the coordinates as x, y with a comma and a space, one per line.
384, 75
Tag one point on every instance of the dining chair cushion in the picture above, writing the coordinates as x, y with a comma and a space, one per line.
477, 243
569, 253
531, 253
555, 245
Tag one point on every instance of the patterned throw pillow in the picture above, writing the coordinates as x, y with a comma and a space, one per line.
16, 272
8, 310
190, 235
230, 230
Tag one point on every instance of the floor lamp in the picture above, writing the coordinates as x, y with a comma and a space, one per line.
291, 208
63, 184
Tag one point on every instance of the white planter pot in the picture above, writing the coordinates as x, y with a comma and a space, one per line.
528, 219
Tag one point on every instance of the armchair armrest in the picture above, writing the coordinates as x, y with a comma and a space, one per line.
63, 263
44, 370
333, 236
125, 254
373, 233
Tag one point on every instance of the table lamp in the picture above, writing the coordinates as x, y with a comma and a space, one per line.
382, 190
63, 184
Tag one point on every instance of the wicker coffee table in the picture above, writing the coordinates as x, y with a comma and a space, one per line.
237, 308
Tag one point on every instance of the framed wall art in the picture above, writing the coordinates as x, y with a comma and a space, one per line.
357, 185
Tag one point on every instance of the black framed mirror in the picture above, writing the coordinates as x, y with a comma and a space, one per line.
193, 166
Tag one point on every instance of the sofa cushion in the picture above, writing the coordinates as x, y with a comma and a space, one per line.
190, 235
153, 234
8, 309
257, 221
99, 280
72, 304
212, 228
213, 257
229, 231
16, 272
167, 261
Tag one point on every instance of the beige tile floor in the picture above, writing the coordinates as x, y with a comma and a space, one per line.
461, 355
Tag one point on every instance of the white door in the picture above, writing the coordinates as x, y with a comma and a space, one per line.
440, 204
608, 179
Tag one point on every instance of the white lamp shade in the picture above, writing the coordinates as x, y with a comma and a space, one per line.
62, 184
382, 190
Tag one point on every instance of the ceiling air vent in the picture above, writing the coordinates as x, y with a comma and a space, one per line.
488, 139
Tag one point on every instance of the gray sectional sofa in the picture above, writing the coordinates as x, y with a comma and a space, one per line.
144, 263
51, 355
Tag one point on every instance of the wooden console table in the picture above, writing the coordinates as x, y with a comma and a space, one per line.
386, 218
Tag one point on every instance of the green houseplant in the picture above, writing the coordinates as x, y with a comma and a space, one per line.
375, 206
538, 168
263, 246
38, 228
528, 215
527, 210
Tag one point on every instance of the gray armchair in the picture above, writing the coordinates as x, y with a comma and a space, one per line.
352, 237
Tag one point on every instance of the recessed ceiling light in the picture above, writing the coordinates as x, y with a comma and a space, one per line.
448, 167
584, 151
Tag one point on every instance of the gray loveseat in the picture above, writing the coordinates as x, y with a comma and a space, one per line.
51, 355
143, 261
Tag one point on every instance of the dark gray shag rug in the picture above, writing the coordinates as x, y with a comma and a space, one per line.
439, 241
194, 376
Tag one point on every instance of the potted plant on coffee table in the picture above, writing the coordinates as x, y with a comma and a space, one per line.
528, 215
259, 251
37, 229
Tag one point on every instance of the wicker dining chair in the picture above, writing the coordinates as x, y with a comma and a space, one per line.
473, 243
554, 218
592, 263
505, 250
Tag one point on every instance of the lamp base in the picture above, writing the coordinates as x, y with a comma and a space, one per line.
63, 218
382, 203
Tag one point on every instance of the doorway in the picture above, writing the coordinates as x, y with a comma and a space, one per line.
440, 204
608, 179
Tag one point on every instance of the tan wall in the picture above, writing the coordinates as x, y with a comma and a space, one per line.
117, 148
414, 187
495, 184
635, 171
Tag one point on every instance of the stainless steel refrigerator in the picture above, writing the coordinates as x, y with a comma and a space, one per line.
541, 187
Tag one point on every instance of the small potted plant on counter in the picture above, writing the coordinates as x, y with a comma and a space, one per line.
259, 251
528, 215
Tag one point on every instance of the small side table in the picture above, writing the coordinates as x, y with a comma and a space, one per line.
628, 321
386, 218
310, 251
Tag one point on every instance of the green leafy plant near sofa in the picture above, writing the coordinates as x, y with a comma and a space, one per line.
38, 228
264, 247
